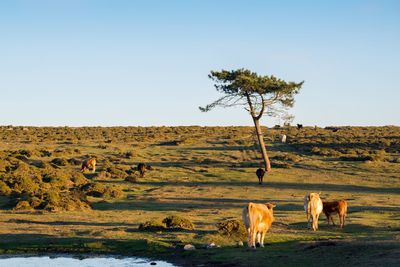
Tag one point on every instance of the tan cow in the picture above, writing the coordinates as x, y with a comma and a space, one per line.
313, 207
257, 219
339, 207
89, 164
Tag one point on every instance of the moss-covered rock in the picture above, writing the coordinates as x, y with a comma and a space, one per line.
232, 228
177, 222
100, 190
154, 225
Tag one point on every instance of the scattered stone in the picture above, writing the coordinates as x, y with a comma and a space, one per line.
189, 247
211, 245
153, 263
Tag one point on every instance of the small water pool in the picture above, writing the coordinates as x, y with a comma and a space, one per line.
65, 261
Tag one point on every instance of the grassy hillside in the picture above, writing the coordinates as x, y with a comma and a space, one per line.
207, 175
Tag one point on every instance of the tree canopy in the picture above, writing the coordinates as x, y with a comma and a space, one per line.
263, 93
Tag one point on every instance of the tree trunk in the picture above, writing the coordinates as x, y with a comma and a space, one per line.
262, 144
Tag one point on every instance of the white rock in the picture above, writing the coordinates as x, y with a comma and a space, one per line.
189, 247
212, 245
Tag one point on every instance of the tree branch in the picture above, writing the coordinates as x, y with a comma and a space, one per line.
262, 108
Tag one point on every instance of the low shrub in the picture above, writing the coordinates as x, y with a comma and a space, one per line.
59, 162
234, 229
177, 222
154, 225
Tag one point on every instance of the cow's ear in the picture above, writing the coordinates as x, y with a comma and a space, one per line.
270, 206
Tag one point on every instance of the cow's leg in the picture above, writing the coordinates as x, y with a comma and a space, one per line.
344, 217
314, 222
327, 216
253, 239
341, 217
94, 169
258, 239
262, 239
333, 222
248, 238
308, 220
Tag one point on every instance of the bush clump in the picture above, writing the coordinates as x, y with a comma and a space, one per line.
177, 222
5, 190
23, 205
59, 162
100, 190
233, 229
171, 223
154, 225
65, 201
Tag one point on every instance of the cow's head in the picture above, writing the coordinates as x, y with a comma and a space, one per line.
148, 167
270, 206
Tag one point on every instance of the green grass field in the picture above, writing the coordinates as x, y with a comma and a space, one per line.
207, 174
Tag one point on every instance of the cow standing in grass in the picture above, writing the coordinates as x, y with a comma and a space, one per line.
89, 164
142, 168
313, 207
258, 219
260, 174
339, 207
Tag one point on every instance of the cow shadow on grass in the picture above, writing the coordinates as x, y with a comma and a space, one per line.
349, 228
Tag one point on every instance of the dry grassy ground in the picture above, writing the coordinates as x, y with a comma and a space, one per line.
207, 174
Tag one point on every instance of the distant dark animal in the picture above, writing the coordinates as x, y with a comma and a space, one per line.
142, 168
299, 126
333, 129
260, 174
339, 207
89, 164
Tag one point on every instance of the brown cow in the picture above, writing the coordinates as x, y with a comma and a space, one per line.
313, 207
260, 174
257, 219
89, 164
339, 207
142, 168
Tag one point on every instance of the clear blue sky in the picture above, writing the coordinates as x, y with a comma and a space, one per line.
146, 62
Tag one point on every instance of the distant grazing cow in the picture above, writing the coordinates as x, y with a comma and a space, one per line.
260, 174
299, 126
313, 207
333, 129
257, 219
89, 164
142, 168
339, 207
